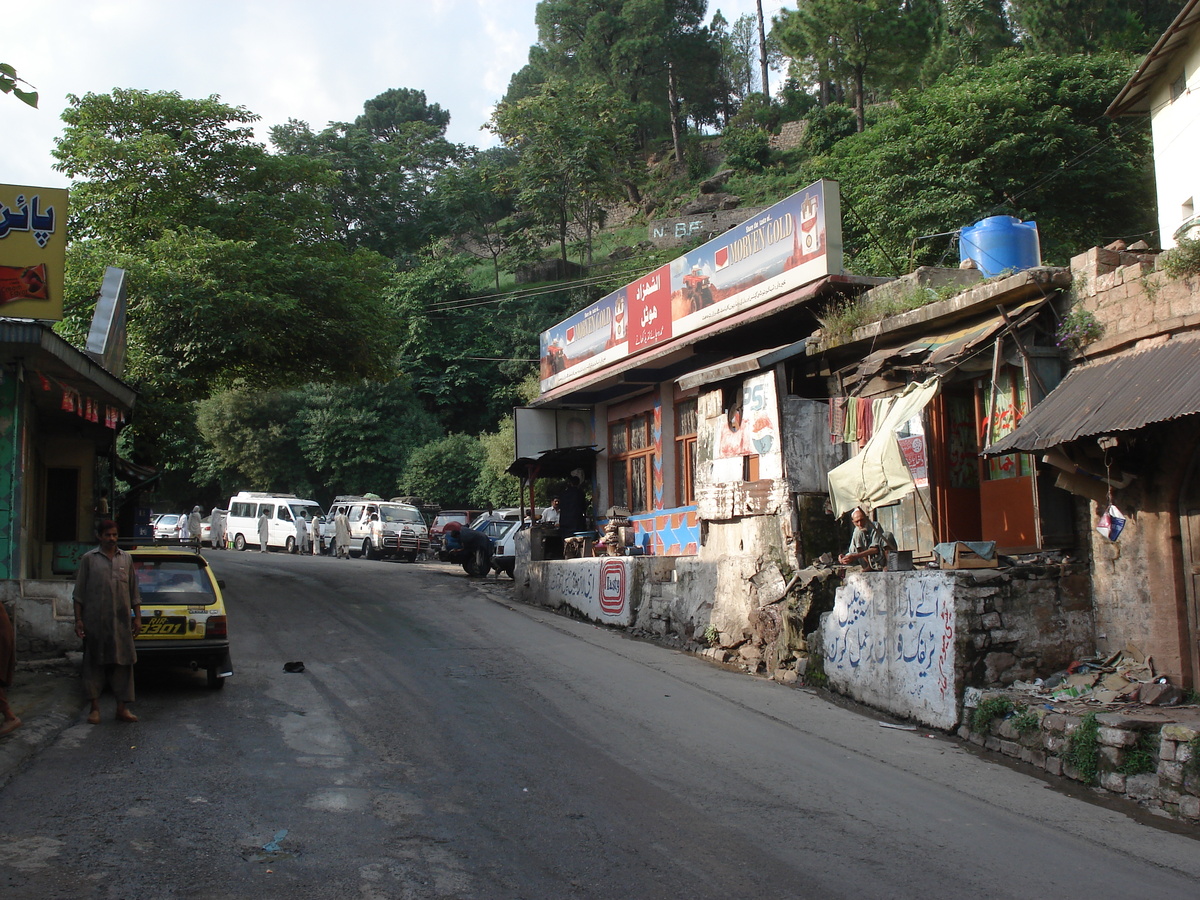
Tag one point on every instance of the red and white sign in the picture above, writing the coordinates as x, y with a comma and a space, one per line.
913, 450
612, 587
650, 309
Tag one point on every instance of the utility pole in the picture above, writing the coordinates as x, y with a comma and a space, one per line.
762, 50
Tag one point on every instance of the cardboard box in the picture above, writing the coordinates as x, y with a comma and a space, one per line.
965, 558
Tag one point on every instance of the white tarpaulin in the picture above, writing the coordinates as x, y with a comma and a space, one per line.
877, 475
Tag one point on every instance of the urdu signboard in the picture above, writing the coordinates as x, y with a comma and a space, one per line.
33, 251
786, 246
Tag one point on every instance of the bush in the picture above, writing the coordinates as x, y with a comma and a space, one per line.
747, 148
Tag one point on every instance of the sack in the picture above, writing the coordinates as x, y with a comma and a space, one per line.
1111, 523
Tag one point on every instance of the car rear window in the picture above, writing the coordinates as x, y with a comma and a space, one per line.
173, 582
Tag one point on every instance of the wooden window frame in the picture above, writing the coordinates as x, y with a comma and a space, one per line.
685, 452
631, 459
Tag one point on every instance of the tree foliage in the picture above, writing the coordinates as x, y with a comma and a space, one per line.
10, 83
383, 166
627, 45
574, 142
1024, 136
445, 472
319, 439
866, 45
1091, 26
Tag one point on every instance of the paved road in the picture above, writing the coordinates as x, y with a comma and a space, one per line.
444, 742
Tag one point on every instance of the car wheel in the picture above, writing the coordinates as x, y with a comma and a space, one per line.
509, 569
215, 681
239, 542
290, 545
477, 564
368, 551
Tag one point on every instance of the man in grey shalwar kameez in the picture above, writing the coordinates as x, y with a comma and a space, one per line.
106, 594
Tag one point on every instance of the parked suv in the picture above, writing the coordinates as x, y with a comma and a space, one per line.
405, 535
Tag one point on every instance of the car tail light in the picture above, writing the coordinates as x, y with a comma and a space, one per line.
216, 627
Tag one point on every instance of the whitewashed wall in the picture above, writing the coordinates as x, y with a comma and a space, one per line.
601, 588
889, 642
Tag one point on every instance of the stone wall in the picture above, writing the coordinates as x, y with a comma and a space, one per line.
1132, 298
1125, 746
791, 135
43, 616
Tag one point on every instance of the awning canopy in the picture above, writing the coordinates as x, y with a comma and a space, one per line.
742, 365
554, 463
944, 350
1121, 393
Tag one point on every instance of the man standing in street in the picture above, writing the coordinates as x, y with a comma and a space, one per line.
106, 595
264, 531
301, 533
341, 534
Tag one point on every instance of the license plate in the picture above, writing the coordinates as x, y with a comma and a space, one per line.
164, 626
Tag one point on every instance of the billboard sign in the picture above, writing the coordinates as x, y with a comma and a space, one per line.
33, 251
783, 247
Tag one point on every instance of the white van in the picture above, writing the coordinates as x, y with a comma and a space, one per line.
241, 525
403, 535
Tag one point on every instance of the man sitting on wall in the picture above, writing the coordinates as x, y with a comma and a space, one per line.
868, 544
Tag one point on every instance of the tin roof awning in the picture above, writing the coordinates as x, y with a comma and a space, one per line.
945, 350
1122, 393
742, 365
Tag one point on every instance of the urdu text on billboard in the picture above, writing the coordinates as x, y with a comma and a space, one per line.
788, 245
33, 251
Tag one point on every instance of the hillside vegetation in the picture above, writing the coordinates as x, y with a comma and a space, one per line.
340, 310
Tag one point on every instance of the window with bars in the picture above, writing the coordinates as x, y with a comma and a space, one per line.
631, 462
685, 451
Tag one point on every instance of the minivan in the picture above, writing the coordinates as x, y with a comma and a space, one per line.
241, 526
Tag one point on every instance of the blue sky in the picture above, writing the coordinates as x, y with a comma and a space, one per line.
317, 62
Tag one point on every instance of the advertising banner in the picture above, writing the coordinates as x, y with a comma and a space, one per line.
786, 246
33, 250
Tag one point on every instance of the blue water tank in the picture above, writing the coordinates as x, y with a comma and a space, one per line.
1001, 244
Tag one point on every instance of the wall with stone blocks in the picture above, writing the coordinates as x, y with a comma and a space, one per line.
1173, 787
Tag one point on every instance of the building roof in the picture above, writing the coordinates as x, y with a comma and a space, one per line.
1120, 393
37, 345
1134, 98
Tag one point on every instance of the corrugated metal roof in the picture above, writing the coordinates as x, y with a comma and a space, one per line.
1122, 393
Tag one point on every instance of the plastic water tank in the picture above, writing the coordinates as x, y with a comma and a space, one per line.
1001, 244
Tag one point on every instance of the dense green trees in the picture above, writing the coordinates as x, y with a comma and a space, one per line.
1032, 141
312, 317
383, 166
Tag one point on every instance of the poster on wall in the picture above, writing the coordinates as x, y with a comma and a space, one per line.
33, 249
786, 246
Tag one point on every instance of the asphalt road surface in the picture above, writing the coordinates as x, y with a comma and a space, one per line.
444, 741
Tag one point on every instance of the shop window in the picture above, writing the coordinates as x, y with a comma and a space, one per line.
685, 451
631, 462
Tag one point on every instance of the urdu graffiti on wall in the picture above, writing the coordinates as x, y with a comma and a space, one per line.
911, 638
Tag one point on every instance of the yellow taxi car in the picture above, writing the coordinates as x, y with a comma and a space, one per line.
183, 612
